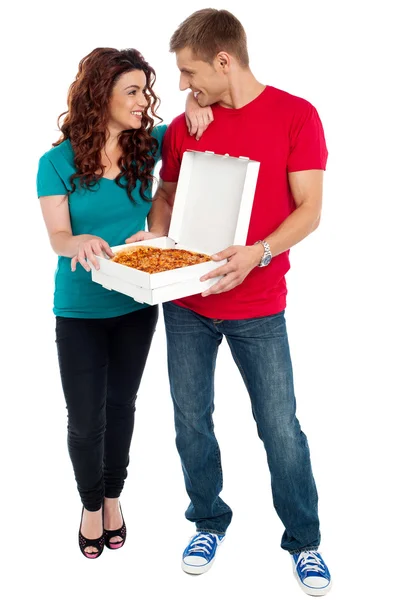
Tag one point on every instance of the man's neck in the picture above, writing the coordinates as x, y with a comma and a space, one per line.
242, 90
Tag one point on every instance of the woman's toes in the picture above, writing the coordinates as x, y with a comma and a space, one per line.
116, 540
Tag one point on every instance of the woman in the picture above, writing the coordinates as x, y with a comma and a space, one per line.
94, 187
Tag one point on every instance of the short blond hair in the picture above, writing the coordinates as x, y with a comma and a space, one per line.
208, 32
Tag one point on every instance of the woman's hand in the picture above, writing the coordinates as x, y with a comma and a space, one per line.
197, 118
87, 250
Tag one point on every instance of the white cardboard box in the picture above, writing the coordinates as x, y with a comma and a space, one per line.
212, 210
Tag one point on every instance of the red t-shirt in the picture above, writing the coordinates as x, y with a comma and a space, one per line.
284, 133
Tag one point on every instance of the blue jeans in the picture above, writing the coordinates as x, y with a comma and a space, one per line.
261, 352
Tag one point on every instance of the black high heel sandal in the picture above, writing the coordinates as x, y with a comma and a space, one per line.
110, 533
86, 542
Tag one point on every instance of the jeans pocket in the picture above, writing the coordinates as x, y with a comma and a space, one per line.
179, 320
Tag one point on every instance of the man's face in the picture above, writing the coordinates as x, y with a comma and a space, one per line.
208, 82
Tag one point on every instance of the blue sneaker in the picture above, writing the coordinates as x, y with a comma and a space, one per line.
312, 573
200, 553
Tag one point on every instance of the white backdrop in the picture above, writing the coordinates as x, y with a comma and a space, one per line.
342, 319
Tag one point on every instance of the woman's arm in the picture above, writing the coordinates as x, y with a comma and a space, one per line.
56, 216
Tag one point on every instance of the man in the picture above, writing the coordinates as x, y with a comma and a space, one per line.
285, 135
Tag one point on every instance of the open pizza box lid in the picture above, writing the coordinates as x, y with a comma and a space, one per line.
212, 210
213, 201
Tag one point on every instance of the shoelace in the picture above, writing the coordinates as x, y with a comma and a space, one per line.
203, 544
310, 561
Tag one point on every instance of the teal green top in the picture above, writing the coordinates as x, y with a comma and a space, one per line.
105, 211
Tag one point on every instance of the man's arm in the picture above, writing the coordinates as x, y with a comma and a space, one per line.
307, 191
161, 211
160, 214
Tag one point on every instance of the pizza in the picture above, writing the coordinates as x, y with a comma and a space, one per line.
156, 260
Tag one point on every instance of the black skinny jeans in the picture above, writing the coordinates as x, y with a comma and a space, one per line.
101, 365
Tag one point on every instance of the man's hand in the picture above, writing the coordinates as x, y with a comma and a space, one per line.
240, 261
198, 118
142, 235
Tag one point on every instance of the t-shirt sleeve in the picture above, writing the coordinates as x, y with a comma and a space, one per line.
48, 181
159, 133
308, 148
171, 160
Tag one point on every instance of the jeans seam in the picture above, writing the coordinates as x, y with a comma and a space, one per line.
218, 456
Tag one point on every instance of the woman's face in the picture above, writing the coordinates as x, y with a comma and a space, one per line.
128, 101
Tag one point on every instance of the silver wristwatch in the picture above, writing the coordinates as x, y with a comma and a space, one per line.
267, 255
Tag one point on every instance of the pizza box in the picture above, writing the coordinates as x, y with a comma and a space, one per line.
212, 210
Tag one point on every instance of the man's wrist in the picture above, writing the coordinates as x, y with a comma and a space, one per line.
258, 248
266, 255
158, 232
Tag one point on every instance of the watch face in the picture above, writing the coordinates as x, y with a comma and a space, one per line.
266, 260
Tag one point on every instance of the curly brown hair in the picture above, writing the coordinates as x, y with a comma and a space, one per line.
85, 121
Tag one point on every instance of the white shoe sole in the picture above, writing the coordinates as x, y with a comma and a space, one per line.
312, 591
194, 570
